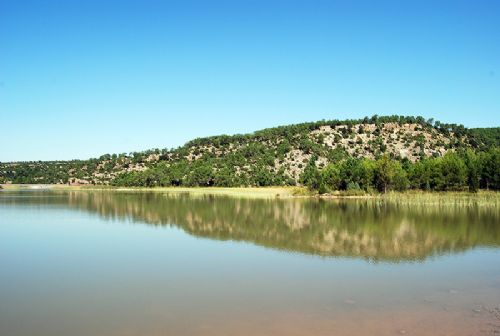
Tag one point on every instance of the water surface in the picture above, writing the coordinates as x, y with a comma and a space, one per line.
116, 263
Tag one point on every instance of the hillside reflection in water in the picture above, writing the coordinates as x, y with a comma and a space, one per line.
370, 229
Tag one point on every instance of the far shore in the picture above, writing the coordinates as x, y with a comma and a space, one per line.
483, 197
265, 192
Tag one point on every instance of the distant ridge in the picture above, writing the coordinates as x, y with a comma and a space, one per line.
273, 156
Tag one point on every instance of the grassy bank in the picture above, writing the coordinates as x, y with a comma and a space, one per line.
490, 198
481, 198
264, 192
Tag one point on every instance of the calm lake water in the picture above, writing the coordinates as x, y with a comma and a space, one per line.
116, 263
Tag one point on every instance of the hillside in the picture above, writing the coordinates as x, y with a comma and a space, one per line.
274, 156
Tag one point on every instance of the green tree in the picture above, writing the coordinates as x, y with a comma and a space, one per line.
490, 162
390, 175
262, 177
311, 177
368, 168
422, 174
454, 172
201, 175
224, 178
330, 177
352, 172
473, 165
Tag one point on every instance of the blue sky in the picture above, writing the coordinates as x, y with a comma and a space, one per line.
83, 78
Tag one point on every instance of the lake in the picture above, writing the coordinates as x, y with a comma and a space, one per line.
153, 263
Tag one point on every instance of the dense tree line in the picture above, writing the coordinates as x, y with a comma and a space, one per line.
456, 171
463, 170
204, 173
95, 170
291, 131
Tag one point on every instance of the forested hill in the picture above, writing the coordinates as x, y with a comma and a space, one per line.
323, 155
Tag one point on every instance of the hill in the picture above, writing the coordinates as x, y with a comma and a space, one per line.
286, 155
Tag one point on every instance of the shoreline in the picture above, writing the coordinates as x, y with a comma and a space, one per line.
483, 196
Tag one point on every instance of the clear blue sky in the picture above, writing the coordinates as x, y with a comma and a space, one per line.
83, 78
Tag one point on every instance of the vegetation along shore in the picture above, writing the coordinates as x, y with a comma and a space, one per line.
347, 158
